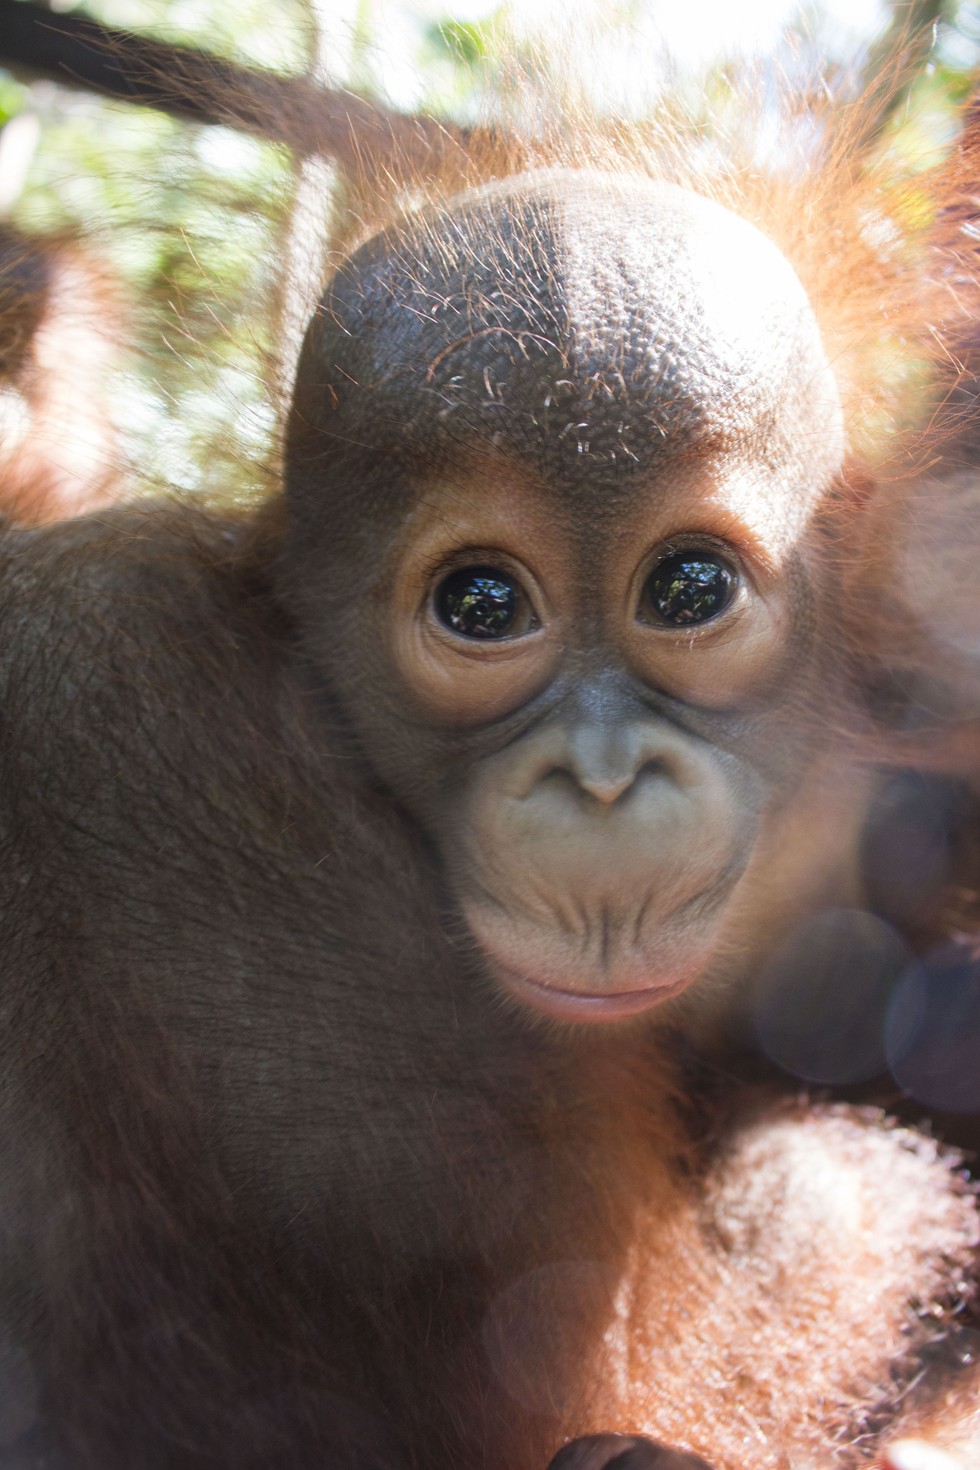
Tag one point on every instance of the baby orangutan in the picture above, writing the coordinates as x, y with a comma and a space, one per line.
368, 859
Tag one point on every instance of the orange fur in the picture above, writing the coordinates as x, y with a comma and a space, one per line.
759, 1297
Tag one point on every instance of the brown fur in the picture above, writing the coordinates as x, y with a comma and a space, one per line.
249, 1209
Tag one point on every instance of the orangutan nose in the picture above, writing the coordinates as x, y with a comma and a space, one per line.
606, 762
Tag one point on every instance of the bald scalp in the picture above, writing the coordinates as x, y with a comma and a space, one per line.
584, 323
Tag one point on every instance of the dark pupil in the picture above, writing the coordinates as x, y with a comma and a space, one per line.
688, 588
478, 603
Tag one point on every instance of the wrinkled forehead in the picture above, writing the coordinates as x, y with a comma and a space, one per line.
570, 318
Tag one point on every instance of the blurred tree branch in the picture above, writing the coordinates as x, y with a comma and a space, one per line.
79, 52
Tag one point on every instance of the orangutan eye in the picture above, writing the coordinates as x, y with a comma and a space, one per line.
688, 587
483, 602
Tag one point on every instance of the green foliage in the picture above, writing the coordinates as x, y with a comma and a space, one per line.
187, 220
13, 98
461, 42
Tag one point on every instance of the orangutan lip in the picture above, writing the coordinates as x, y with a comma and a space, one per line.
576, 1005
